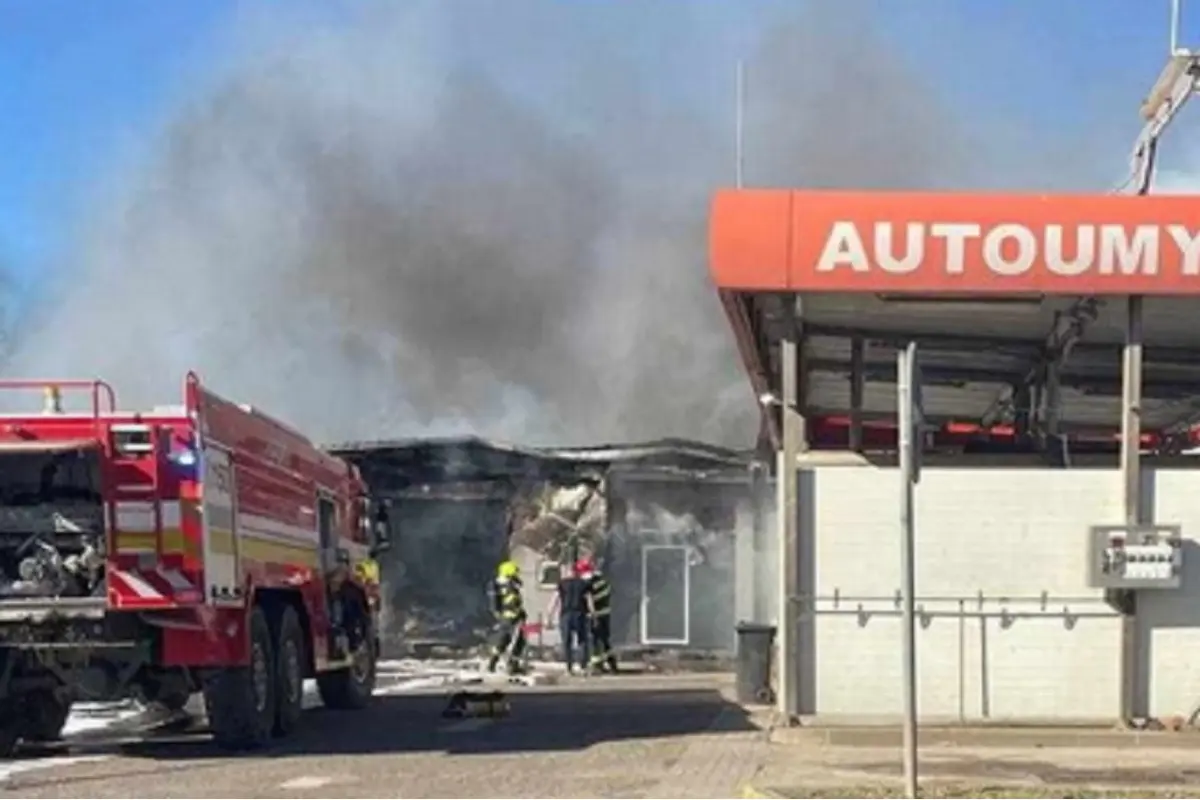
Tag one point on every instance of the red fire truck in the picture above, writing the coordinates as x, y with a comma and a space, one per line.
197, 548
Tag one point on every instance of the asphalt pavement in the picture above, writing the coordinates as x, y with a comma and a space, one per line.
611, 736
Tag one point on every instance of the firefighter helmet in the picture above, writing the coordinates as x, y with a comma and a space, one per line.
508, 569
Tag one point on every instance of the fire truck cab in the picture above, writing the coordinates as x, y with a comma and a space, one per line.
200, 548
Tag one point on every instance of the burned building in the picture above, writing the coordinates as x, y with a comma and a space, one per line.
675, 524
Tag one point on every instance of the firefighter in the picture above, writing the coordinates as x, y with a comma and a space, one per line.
508, 605
599, 603
571, 603
367, 571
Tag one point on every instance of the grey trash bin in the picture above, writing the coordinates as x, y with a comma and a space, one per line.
754, 644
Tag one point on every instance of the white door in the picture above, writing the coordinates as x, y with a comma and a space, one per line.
666, 589
222, 577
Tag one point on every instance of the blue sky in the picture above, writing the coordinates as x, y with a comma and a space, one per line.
82, 83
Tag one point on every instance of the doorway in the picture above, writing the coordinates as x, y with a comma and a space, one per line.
666, 595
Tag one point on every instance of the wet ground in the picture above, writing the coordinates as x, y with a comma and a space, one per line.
615, 736
599, 737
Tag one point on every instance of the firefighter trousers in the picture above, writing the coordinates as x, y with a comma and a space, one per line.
602, 654
573, 627
509, 637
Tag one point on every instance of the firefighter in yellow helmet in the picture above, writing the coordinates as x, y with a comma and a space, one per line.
508, 606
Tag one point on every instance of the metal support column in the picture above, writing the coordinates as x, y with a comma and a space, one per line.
759, 540
1052, 401
1131, 411
911, 440
1022, 399
794, 442
1131, 479
857, 385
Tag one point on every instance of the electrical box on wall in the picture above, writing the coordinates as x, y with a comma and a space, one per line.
1135, 557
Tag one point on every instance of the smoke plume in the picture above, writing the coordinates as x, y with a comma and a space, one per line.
371, 238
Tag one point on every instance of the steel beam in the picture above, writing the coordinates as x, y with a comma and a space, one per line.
933, 342
910, 441
760, 539
857, 389
1131, 411
1022, 406
795, 441
1049, 417
876, 372
1131, 479
870, 416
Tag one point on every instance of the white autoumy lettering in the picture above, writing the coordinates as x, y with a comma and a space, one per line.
955, 234
1085, 250
993, 249
843, 247
914, 248
1189, 248
1123, 254
1011, 249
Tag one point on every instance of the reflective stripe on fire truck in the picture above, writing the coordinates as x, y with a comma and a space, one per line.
135, 528
137, 584
176, 578
159, 586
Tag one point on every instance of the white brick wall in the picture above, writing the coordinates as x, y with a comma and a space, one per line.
1169, 621
1012, 629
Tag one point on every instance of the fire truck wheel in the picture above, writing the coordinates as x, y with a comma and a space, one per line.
351, 687
241, 700
44, 717
289, 672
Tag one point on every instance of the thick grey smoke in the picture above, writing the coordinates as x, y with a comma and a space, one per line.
834, 107
372, 239
374, 243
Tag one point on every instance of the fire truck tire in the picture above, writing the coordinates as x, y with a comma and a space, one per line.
44, 716
289, 671
241, 700
351, 688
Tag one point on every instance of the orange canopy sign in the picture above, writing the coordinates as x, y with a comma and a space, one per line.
896, 242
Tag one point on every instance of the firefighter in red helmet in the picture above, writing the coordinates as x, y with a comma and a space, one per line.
599, 602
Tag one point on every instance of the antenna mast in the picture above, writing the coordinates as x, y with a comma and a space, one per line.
1175, 86
740, 125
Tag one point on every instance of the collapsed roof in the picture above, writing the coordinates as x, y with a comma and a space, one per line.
472, 458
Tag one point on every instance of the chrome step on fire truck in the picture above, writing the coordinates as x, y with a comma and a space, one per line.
197, 548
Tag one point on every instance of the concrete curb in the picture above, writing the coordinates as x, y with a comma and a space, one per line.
984, 737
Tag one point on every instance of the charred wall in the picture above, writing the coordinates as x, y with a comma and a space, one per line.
666, 525
460, 506
435, 576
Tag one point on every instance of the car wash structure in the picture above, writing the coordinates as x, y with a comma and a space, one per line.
1058, 509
